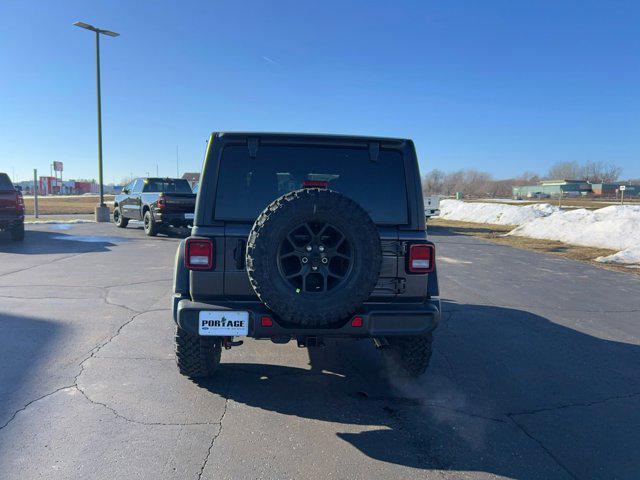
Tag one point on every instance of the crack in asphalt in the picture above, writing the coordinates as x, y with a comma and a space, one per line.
104, 290
420, 402
142, 282
452, 374
32, 402
45, 263
92, 354
543, 447
572, 405
219, 432
49, 297
139, 422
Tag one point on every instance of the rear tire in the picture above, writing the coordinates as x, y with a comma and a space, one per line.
118, 219
17, 233
150, 225
197, 357
411, 355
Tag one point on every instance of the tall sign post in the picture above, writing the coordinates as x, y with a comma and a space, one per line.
58, 167
35, 192
622, 188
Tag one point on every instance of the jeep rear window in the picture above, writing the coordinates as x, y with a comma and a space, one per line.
5, 183
247, 185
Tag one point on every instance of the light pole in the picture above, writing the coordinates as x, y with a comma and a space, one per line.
102, 211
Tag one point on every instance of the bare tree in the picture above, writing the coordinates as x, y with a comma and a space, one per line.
565, 171
432, 182
594, 172
600, 172
475, 183
527, 178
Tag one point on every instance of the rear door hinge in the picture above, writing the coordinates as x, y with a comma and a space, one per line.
374, 151
400, 285
252, 145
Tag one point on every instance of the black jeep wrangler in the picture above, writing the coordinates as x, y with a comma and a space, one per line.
306, 237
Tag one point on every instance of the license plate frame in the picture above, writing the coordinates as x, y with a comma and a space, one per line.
223, 323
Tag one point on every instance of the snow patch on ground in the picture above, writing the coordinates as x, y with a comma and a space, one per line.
629, 257
616, 227
92, 239
495, 213
454, 261
57, 222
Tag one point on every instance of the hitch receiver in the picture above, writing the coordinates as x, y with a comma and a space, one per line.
227, 343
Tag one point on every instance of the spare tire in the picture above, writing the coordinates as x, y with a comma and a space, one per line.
313, 257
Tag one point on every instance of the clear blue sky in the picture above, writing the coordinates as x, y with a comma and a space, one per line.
498, 86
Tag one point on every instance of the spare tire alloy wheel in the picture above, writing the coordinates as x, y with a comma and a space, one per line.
313, 257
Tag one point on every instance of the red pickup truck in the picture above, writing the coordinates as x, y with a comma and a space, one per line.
11, 209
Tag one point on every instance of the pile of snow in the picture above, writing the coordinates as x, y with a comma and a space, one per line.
616, 227
629, 256
495, 213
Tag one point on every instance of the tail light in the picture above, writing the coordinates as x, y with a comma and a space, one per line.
162, 202
422, 258
19, 201
357, 322
198, 254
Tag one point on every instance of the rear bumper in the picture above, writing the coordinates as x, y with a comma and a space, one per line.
378, 320
177, 219
9, 222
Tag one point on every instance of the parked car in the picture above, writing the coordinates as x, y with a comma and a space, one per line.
158, 202
306, 237
11, 208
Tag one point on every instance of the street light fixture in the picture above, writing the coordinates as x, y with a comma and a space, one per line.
102, 211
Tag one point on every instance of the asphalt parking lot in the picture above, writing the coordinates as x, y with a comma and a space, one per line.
535, 375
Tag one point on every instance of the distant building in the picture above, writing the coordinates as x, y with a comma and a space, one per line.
574, 188
553, 188
49, 186
613, 189
192, 177
53, 186
85, 187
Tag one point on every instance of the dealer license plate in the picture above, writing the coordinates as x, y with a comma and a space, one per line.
223, 324
188, 216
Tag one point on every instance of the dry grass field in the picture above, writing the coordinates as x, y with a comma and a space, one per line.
496, 234
53, 205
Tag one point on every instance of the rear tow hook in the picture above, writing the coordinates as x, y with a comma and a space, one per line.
227, 343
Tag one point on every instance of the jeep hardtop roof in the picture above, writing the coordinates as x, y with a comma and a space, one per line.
311, 136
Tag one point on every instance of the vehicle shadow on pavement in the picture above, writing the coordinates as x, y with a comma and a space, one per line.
37, 242
505, 390
170, 232
26, 344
